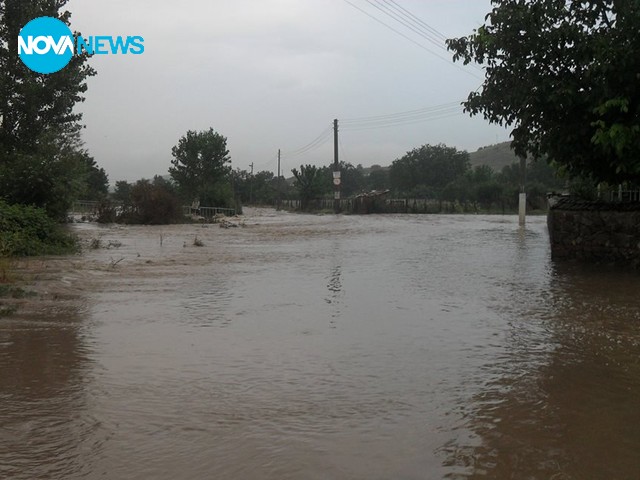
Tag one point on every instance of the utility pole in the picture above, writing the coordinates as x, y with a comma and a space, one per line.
336, 169
251, 186
279, 184
522, 201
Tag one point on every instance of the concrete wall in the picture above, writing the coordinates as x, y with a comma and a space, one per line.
595, 231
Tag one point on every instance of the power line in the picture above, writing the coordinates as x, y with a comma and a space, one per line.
392, 13
396, 31
416, 19
316, 143
424, 29
404, 114
409, 117
268, 163
449, 61
406, 122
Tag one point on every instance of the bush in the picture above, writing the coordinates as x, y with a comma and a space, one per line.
106, 212
27, 231
152, 204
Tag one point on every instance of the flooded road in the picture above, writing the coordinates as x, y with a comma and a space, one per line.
316, 347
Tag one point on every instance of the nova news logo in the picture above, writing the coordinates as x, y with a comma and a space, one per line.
46, 45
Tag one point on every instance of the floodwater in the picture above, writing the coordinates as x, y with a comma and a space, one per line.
322, 347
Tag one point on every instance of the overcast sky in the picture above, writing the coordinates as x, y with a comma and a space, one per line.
270, 74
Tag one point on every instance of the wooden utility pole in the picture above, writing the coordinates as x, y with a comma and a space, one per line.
336, 170
279, 201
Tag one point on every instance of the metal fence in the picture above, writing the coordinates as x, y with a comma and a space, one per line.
90, 207
84, 207
208, 212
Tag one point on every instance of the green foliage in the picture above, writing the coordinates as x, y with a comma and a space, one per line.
200, 168
583, 187
42, 162
50, 178
97, 181
378, 178
264, 188
480, 186
122, 192
31, 104
308, 183
433, 166
351, 178
27, 231
261, 188
565, 76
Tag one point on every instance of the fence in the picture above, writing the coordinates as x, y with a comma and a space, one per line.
84, 207
619, 194
208, 212
89, 207
398, 205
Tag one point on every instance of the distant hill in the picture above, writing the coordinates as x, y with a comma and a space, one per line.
496, 156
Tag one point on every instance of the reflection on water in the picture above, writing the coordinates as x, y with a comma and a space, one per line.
44, 416
567, 406
328, 347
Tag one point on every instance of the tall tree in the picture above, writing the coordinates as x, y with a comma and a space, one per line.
122, 192
200, 167
428, 168
308, 183
42, 162
97, 181
565, 76
33, 104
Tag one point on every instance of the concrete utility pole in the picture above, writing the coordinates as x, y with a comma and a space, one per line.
278, 184
336, 170
251, 186
522, 203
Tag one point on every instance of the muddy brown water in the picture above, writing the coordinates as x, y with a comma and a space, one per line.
317, 347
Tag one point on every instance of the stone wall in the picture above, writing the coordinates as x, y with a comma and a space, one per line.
595, 231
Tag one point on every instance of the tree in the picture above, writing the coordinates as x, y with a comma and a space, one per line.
428, 168
33, 104
42, 161
122, 192
200, 168
264, 188
51, 177
564, 75
378, 178
308, 183
352, 180
261, 187
97, 181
